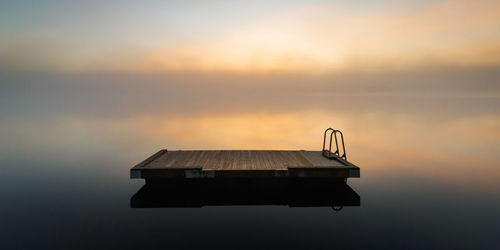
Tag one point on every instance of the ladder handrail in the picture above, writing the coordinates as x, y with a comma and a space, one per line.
324, 139
337, 152
336, 142
343, 145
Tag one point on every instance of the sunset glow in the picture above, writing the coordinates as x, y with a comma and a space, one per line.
250, 124
317, 37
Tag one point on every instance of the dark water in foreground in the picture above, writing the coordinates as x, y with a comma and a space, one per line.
84, 206
429, 164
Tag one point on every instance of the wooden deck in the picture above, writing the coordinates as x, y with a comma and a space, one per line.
242, 163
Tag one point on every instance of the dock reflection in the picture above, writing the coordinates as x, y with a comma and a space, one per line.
192, 193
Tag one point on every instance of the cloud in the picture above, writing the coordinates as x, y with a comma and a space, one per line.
324, 38
316, 38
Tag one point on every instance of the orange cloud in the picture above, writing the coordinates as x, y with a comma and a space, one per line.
309, 39
323, 39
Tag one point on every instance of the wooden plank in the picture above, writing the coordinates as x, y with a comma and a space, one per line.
148, 161
318, 160
301, 160
174, 159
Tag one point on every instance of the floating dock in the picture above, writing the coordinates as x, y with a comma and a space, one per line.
243, 163
250, 163
248, 177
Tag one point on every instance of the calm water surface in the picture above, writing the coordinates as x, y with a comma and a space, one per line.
429, 167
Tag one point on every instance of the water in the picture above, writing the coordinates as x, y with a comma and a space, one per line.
429, 158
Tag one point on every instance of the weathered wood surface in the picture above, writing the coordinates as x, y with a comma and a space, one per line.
240, 163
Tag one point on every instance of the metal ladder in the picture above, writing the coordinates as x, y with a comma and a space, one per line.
328, 153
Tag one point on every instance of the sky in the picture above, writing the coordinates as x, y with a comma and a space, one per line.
306, 37
413, 85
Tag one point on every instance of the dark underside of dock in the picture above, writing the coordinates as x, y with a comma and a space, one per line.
201, 192
275, 164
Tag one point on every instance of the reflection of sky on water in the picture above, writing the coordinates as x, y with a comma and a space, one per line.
441, 129
428, 157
